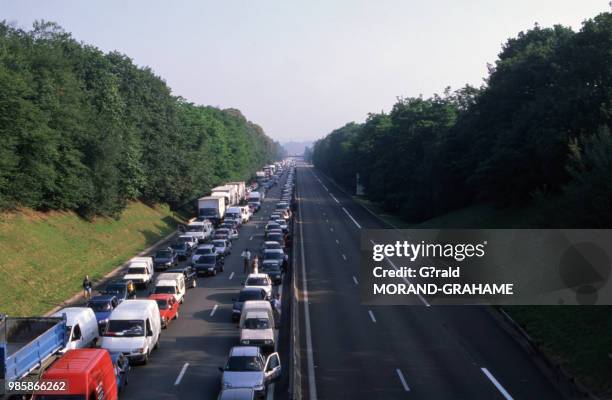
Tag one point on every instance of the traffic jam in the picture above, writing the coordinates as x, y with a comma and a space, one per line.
88, 350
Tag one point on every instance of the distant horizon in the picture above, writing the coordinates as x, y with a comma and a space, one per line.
302, 70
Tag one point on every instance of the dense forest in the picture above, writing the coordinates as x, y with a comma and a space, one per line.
87, 131
536, 132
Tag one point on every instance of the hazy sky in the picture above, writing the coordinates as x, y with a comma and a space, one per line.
303, 68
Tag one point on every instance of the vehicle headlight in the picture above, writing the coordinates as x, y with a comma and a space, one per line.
140, 350
103, 322
245, 341
268, 341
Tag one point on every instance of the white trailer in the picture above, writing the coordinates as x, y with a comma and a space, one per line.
211, 208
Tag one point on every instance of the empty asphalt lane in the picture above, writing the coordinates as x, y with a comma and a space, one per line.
433, 353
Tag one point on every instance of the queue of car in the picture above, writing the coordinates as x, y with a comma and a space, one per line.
124, 330
253, 364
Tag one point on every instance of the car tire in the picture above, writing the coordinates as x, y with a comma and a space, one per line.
145, 360
221, 269
176, 315
156, 347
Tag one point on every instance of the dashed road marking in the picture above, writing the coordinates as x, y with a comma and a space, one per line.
498, 385
351, 217
355, 280
372, 316
212, 313
344, 257
181, 374
231, 275
403, 380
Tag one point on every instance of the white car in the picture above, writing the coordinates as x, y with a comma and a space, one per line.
259, 281
140, 271
222, 247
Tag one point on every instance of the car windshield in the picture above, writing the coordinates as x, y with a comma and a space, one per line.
244, 363
128, 328
275, 237
273, 256
163, 304
273, 225
178, 246
208, 259
99, 306
163, 254
219, 243
165, 290
257, 323
206, 212
274, 245
250, 295
136, 270
194, 228
223, 231
257, 282
205, 250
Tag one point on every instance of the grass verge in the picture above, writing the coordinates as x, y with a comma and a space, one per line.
44, 256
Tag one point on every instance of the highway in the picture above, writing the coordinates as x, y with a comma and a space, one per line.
390, 352
198, 342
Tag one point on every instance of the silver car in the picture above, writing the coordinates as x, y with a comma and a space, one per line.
246, 367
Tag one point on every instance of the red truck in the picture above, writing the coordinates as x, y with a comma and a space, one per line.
83, 374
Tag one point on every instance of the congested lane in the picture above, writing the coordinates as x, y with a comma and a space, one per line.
198, 342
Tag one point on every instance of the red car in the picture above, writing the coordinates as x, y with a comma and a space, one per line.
168, 307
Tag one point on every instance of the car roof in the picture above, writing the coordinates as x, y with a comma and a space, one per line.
273, 250
205, 246
238, 351
256, 314
257, 275
161, 296
267, 242
251, 289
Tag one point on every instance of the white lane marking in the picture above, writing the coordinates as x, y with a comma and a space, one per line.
325, 187
251, 238
231, 275
351, 217
497, 384
181, 374
372, 316
344, 256
334, 197
403, 380
327, 220
331, 229
213, 310
405, 279
312, 387
337, 241
355, 280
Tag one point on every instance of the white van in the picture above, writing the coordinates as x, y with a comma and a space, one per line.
246, 214
81, 326
257, 325
171, 283
235, 213
133, 328
140, 271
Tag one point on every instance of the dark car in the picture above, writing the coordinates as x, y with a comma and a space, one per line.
276, 237
123, 289
165, 258
191, 277
245, 295
182, 250
102, 306
209, 264
273, 269
122, 369
221, 233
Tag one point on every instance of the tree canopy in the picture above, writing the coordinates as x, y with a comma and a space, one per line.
87, 131
538, 128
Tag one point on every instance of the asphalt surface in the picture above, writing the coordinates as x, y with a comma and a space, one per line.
391, 352
198, 342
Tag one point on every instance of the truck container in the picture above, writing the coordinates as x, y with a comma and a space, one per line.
228, 191
27, 342
240, 190
211, 208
